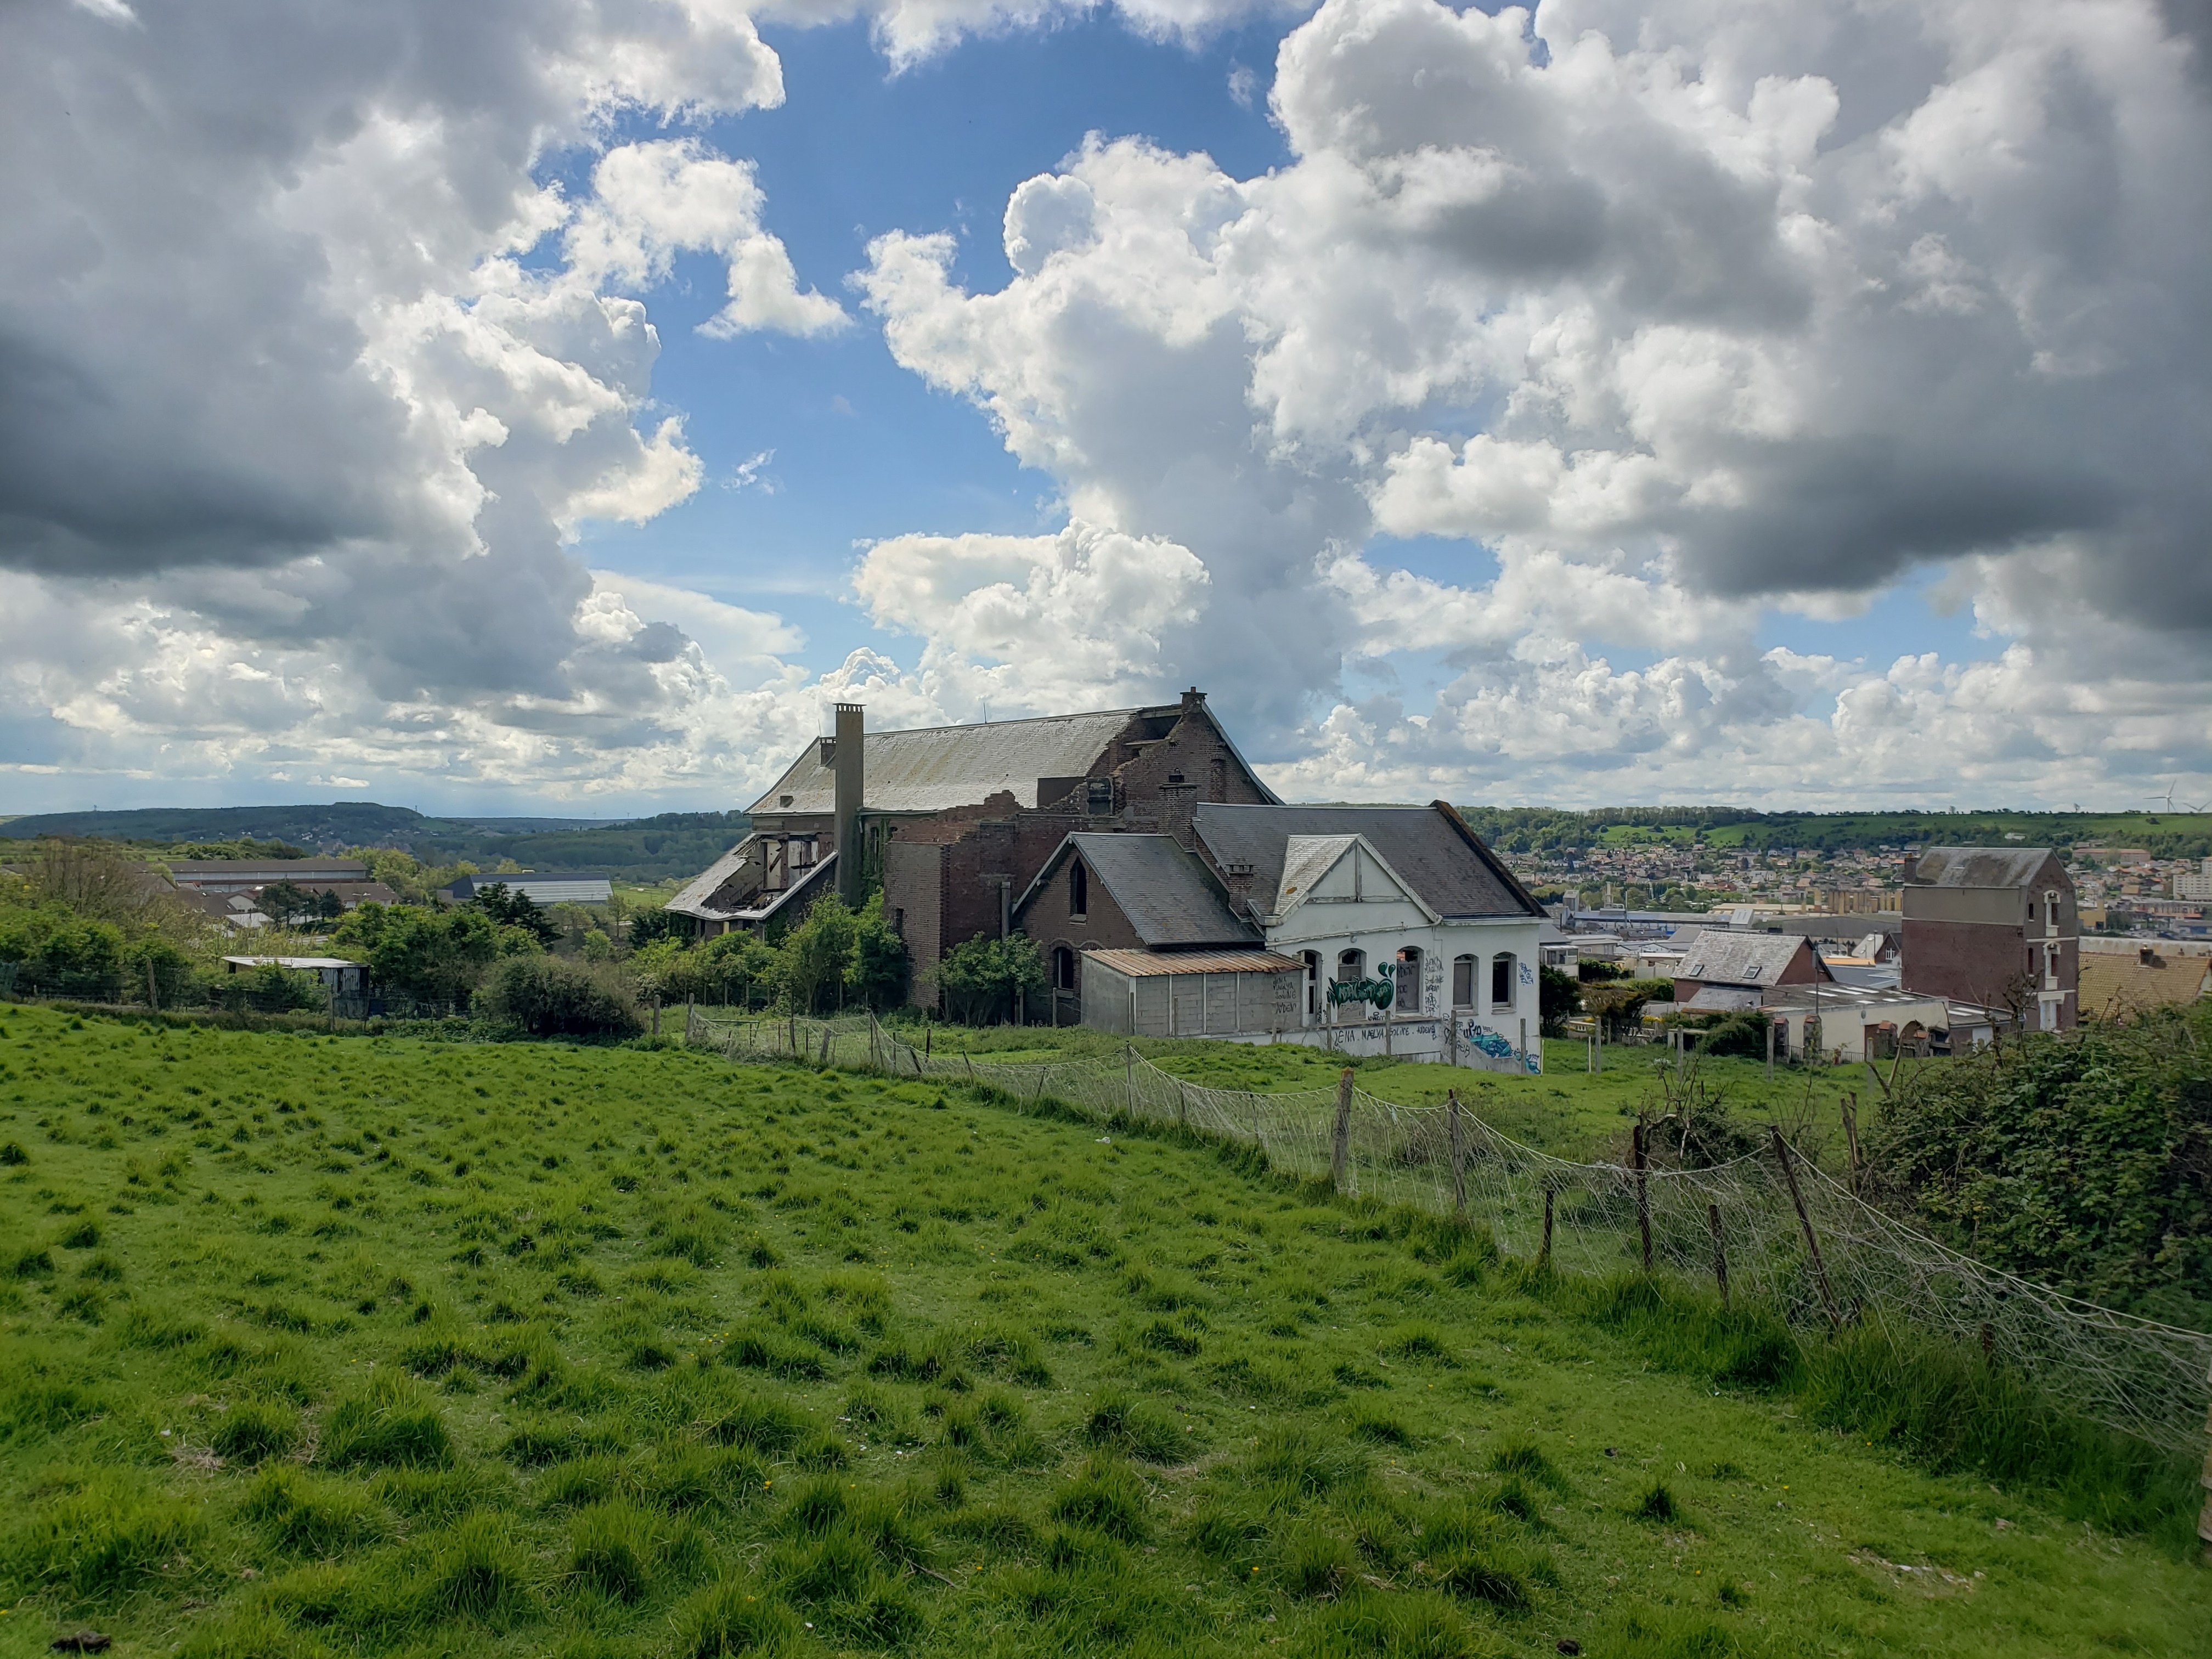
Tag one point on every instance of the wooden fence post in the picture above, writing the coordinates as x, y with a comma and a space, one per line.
1544, 1250
1812, 1244
1850, 1104
1341, 1151
1643, 1193
1720, 1250
1129, 1079
2204, 1520
1458, 1158
828, 1032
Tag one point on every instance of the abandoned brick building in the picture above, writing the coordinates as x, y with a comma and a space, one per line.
957, 820
1142, 853
1996, 928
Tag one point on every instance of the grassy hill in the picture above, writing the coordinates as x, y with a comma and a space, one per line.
314, 1346
1535, 830
669, 846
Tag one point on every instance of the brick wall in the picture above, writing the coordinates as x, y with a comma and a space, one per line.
1050, 922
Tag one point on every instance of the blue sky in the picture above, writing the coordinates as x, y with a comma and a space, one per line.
1479, 417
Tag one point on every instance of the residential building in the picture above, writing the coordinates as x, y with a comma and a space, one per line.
1409, 936
1995, 927
2195, 884
1722, 972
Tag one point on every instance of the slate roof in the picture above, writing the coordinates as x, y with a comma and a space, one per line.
1428, 846
1723, 958
1979, 866
929, 769
1166, 893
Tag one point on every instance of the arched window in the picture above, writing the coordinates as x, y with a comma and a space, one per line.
1063, 968
1409, 979
1312, 960
1462, 982
1501, 980
1078, 889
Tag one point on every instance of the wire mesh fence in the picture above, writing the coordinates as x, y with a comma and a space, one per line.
1770, 1226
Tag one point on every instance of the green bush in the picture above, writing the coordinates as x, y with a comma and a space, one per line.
2081, 1159
555, 996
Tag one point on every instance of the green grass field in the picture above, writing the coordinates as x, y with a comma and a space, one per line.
318, 1346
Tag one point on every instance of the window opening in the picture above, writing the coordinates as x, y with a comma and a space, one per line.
1409, 979
1462, 982
1078, 889
1501, 980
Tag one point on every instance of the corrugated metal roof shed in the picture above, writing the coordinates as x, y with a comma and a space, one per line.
929, 769
1979, 866
1144, 964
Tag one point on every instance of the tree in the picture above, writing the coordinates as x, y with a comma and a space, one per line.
511, 909
647, 926
737, 968
555, 996
438, 956
985, 980
1559, 999
288, 904
816, 954
880, 967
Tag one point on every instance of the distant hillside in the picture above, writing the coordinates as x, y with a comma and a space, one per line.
1540, 829
644, 850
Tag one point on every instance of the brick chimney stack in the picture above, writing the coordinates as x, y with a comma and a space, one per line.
846, 750
1236, 876
1178, 801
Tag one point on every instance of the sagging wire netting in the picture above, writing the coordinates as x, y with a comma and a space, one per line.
1768, 1226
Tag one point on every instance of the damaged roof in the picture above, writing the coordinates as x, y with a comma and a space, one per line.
1429, 848
719, 894
1714, 956
937, 767
1979, 866
1168, 895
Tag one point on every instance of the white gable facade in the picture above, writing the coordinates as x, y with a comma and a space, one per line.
1388, 973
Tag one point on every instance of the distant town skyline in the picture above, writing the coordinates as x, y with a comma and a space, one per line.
1668, 402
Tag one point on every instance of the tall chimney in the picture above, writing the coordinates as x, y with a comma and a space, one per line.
847, 758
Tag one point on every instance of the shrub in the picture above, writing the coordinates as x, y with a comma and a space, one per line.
2077, 1159
556, 996
1656, 1503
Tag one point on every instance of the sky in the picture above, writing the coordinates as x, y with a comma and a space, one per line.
555, 406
